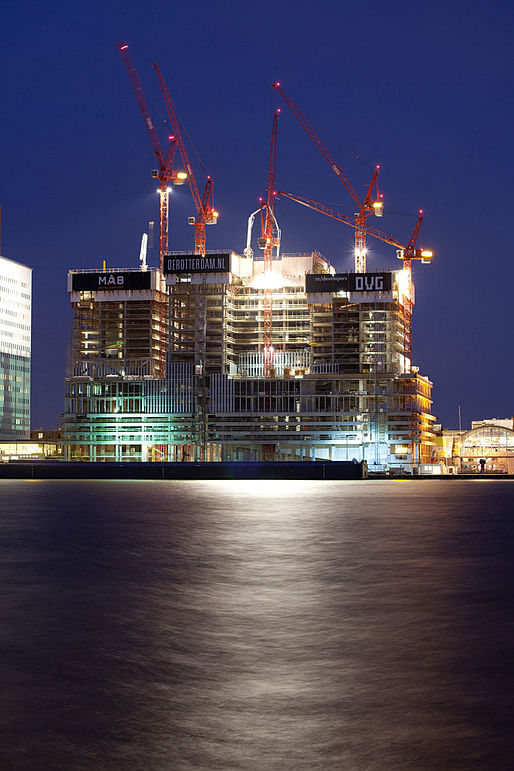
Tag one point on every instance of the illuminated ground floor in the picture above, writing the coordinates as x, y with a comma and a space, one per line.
30, 450
382, 419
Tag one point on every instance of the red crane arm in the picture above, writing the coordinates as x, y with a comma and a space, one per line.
170, 156
207, 196
368, 203
181, 145
319, 144
164, 163
414, 237
409, 252
340, 217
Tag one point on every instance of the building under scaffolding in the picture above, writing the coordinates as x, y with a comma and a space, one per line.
341, 385
120, 323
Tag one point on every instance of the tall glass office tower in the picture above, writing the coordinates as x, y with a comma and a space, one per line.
15, 349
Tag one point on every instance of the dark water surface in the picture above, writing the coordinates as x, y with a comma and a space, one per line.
256, 625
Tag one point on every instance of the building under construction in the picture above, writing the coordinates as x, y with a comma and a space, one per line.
174, 366
219, 356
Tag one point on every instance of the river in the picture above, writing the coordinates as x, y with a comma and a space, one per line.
256, 625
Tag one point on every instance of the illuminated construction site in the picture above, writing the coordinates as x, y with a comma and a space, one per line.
243, 356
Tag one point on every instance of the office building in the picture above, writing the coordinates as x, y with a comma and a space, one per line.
15, 349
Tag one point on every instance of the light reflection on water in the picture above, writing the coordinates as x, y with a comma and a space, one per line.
245, 624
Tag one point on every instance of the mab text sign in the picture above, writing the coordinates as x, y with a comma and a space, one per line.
197, 263
93, 282
349, 282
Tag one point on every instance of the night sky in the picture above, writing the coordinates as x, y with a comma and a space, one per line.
423, 88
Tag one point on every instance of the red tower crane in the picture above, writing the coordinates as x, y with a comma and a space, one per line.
269, 241
366, 207
406, 253
206, 213
165, 173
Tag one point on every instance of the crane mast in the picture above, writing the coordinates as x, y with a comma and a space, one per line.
165, 173
206, 214
269, 242
365, 208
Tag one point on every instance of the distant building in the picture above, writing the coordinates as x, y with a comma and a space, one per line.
489, 444
52, 436
15, 349
341, 384
505, 422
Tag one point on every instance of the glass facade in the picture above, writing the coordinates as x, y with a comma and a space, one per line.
15, 349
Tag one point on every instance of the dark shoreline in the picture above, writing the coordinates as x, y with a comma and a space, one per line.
335, 470
277, 470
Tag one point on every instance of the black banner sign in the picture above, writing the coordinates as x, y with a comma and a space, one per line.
196, 263
324, 282
94, 282
349, 282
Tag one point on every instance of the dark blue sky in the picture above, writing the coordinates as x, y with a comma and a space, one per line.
424, 89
